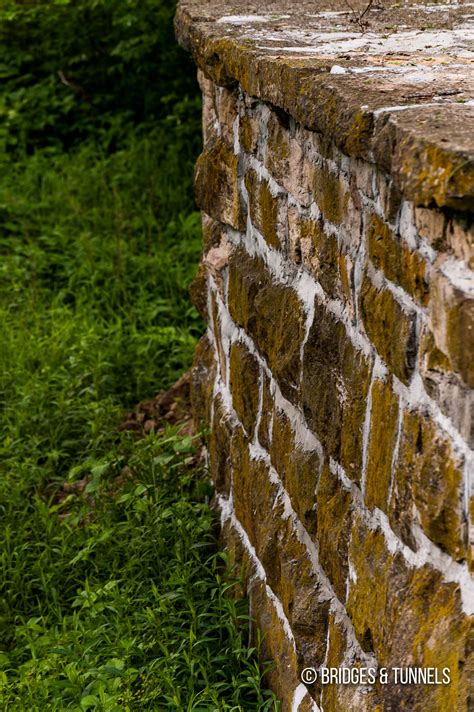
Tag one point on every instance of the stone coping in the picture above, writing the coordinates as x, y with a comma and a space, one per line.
395, 87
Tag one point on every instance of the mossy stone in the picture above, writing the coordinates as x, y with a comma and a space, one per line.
383, 318
399, 264
428, 477
203, 373
334, 521
382, 440
244, 385
216, 184
335, 383
271, 314
298, 469
264, 209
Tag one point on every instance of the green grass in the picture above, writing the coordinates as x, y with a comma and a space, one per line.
113, 594
122, 604
116, 599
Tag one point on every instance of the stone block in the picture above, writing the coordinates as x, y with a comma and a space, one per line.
452, 317
213, 232
393, 257
217, 186
445, 387
334, 521
286, 162
198, 291
266, 210
224, 433
460, 238
428, 487
297, 244
209, 117
276, 645
227, 111
363, 174
216, 260
221, 348
382, 441
203, 373
311, 246
244, 386
423, 623
330, 196
249, 130
271, 314
389, 196
256, 507
349, 697
383, 318
298, 469
431, 225
335, 383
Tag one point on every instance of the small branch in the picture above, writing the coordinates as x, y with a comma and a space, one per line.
358, 15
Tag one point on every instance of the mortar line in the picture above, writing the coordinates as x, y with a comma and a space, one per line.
443, 563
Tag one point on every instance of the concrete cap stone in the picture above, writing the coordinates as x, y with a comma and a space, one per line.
394, 86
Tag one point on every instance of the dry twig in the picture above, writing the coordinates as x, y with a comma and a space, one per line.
359, 16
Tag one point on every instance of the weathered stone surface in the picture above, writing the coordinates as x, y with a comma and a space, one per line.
428, 487
202, 381
239, 564
423, 624
209, 118
222, 439
198, 290
216, 260
272, 314
455, 400
216, 184
362, 197
399, 264
266, 210
256, 507
335, 382
382, 442
312, 247
221, 351
389, 195
285, 159
249, 131
330, 196
431, 226
452, 318
259, 506
460, 237
226, 112
427, 168
298, 242
309, 617
346, 697
219, 110
334, 521
266, 419
245, 386
357, 110
275, 646
212, 232
383, 317
299, 469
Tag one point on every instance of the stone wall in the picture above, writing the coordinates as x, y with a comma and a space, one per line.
336, 379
